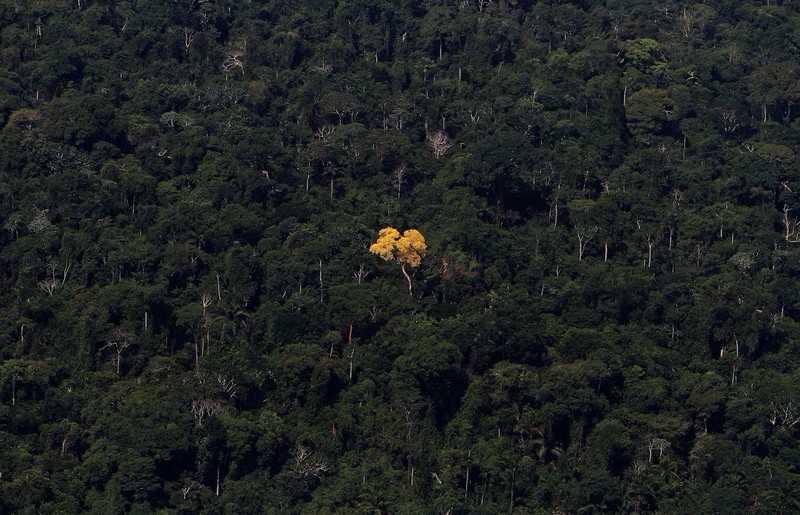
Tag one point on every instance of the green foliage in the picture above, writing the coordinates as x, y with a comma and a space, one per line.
605, 321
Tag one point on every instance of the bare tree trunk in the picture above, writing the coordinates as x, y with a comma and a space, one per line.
320, 282
555, 214
511, 502
14, 389
409, 448
684, 145
466, 485
408, 277
352, 348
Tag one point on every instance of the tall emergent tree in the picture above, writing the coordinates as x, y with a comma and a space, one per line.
408, 249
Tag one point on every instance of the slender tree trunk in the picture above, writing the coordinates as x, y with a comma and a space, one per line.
684, 145
555, 214
466, 485
352, 353
14, 390
408, 277
511, 502
321, 291
352, 347
409, 447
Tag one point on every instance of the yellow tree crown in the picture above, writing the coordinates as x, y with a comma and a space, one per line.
407, 249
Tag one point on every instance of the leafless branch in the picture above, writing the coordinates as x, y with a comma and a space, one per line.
439, 143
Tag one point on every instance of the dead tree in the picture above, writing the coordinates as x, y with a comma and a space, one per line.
729, 122
656, 443
790, 226
398, 178
228, 386
120, 340
585, 235
305, 466
784, 415
233, 60
686, 23
439, 143
361, 274
206, 300
203, 408
324, 131
49, 285
186, 489
188, 37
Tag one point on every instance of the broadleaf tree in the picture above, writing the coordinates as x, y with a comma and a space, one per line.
407, 249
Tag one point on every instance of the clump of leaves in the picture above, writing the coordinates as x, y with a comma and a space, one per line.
407, 249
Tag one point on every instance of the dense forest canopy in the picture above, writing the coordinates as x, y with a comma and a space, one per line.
604, 316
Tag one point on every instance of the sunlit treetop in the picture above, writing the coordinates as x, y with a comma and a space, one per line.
408, 248
387, 243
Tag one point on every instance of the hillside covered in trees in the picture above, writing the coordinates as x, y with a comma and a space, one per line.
602, 318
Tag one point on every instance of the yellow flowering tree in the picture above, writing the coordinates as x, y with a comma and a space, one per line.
407, 249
